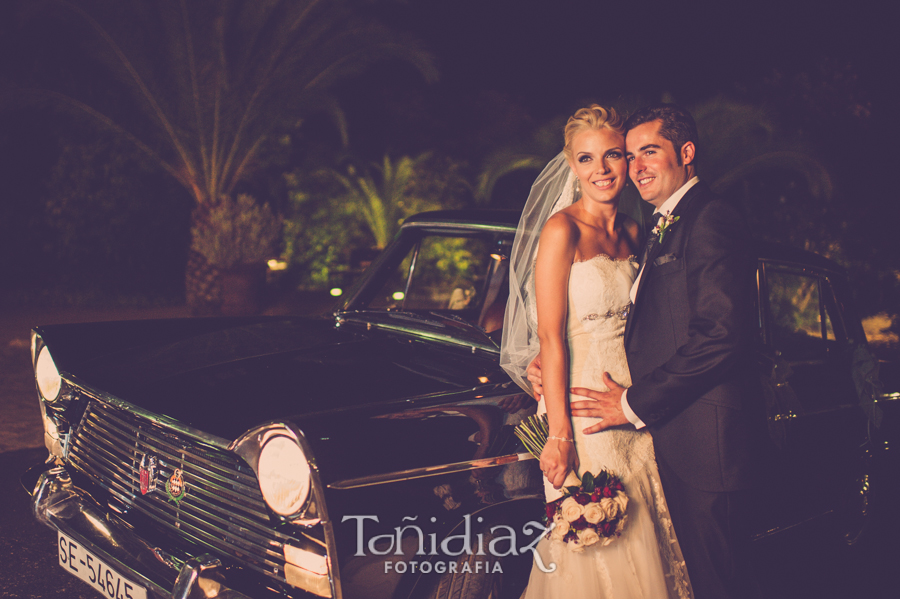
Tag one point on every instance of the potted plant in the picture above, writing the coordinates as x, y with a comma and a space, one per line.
237, 237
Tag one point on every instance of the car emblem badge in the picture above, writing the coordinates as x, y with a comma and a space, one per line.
175, 487
147, 471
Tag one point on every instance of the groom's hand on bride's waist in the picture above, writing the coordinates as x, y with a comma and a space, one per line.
606, 405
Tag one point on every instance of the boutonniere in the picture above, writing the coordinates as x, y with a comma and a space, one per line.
665, 221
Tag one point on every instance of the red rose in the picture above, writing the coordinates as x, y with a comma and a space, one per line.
579, 524
551, 510
582, 498
607, 492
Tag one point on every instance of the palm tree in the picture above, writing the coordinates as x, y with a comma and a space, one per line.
387, 197
215, 81
342, 216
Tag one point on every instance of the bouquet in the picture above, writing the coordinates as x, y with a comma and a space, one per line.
589, 513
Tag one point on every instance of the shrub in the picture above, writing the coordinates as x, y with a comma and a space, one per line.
234, 232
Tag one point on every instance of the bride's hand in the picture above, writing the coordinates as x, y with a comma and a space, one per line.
557, 459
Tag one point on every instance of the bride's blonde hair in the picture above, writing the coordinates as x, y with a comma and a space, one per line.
592, 117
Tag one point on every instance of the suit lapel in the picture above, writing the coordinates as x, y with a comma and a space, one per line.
653, 249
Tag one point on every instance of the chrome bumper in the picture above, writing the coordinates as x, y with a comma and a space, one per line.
59, 504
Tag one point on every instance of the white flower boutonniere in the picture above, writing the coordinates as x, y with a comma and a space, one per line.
665, 221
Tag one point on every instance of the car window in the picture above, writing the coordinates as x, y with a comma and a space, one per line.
802, 310
393, 291
463, 276
449, 274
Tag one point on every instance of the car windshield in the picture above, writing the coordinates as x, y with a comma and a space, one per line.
457, 275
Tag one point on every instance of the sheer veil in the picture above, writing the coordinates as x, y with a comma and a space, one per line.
553, 190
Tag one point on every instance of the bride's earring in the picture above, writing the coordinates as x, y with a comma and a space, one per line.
577, 187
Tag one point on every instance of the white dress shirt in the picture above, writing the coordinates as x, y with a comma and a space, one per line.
666, 208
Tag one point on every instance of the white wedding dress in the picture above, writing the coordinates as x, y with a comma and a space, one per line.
645, 562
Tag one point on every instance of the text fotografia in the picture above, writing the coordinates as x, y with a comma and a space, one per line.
442, 567
503, 541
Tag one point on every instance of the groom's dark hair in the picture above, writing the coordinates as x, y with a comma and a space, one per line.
678, 125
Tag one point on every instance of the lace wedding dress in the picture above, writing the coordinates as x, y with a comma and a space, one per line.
645, 562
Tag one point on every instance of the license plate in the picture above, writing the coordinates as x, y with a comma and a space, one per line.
77, 559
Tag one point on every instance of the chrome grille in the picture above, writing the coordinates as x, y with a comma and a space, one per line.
223, 511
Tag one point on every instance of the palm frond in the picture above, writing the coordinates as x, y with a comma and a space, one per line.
139, 84
218, 78
68, 104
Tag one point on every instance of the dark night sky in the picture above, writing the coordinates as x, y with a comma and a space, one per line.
549, 58
547, 53
545, 59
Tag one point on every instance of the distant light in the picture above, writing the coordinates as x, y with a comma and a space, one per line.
482, 379
398, 295
275, 264
498, 257
336, 291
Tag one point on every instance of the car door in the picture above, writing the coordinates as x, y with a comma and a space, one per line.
815, 422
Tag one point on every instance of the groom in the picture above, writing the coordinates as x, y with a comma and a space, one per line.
688, 340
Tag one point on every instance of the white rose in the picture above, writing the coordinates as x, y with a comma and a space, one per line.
559, 531
593, 513
606, 541
588, 536
571, 509
621, 500
621, 525
609, 508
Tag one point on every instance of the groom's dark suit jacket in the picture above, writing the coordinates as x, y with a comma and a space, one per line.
688, 339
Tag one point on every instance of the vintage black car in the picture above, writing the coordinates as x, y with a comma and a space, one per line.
370, 453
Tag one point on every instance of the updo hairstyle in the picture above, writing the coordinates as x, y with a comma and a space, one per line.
593, 117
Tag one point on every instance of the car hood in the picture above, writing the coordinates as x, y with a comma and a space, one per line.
225, 376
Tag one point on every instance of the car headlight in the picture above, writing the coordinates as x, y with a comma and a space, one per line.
47, 376
52, 439
283, 473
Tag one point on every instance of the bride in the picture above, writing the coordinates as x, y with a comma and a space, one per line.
573, 265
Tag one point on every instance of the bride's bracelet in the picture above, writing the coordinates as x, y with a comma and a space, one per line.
566, 439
